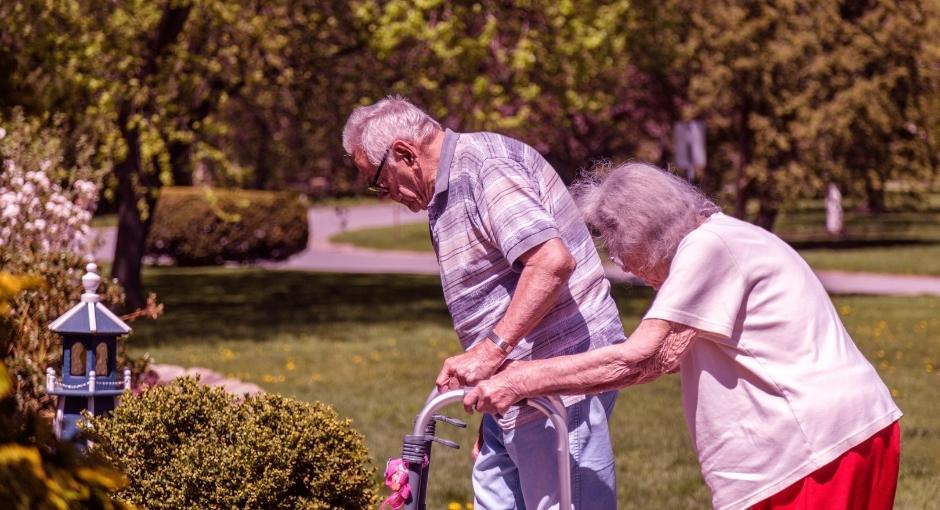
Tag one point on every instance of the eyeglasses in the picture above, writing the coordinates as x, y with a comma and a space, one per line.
374, 185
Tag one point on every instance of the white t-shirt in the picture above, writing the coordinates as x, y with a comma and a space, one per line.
781, 390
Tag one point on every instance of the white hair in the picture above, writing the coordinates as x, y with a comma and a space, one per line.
640, 211
373, 128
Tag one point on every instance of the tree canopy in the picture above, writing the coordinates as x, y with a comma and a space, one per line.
254, 93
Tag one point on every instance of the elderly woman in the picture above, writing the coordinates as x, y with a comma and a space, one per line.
782, 408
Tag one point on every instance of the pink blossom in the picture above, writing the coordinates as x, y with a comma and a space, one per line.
11, 211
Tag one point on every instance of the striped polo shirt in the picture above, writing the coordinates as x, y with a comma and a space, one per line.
495, 198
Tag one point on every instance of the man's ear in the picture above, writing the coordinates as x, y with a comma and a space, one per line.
404, 151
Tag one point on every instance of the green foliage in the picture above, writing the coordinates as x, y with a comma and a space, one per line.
37, 471
45, 195
204, 226
801, 93
569, 77
187, 446
795, 94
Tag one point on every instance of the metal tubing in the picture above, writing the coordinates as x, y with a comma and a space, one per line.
549, 406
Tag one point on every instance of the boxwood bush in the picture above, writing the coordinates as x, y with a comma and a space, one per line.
206, 226
186, 446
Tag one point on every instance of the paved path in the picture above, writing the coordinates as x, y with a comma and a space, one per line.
322, 255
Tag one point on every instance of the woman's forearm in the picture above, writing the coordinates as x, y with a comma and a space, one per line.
655, 348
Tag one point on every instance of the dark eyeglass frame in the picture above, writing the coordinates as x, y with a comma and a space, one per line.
374, 183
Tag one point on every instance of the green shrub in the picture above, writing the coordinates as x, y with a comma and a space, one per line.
186, 446
205, 226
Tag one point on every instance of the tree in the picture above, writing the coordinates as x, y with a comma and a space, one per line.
235, 89
799, 93
564, 76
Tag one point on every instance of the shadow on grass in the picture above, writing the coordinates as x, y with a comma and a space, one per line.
214, 304
257, 304
849, 244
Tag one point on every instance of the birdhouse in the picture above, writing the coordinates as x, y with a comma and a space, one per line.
90, 379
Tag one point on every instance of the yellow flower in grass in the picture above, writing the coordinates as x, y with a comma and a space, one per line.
454, 506
290, 365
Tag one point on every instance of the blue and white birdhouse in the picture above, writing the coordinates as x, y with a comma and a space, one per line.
90, 379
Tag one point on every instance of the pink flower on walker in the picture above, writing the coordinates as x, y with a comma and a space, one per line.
396, 478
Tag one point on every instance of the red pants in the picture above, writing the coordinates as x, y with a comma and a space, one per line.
864, 477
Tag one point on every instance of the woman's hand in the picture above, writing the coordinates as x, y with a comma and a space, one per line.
494, 395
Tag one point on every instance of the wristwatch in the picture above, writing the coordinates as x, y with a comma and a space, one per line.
503, 345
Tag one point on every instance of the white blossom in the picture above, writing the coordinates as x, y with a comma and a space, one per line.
11, 211
38, 215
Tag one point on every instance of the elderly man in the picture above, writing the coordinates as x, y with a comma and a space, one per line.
521, 278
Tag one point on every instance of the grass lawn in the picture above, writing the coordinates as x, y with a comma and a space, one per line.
407, 237
370, 345
899, 243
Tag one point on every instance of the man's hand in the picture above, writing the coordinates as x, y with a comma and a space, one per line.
493, 396
471, 367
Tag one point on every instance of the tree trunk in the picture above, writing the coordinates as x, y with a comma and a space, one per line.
137, 188
181, 164
132, 191
766, 216
874, 197
744, 158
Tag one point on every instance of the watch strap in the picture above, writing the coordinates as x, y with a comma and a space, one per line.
502, 344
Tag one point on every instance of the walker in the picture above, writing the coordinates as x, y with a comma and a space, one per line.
415, 460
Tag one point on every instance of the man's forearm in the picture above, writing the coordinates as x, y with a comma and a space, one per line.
544, 277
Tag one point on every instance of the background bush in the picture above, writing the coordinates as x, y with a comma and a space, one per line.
186, 446
204, 226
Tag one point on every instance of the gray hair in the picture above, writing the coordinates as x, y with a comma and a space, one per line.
373, 128
640, 211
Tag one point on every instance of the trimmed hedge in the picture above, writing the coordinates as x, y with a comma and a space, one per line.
206, 226
186, 446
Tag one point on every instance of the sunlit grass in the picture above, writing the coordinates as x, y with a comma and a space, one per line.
370, 345
898, 243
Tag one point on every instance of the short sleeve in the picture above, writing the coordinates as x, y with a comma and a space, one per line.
511, 210
705, 288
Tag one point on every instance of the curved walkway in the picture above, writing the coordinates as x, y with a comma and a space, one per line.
322, 255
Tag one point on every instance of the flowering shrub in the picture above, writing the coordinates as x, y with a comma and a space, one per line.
41, 215
45, 212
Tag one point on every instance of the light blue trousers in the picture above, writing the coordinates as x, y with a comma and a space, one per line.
517, 469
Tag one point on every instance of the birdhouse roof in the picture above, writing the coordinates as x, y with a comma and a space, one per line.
90, 317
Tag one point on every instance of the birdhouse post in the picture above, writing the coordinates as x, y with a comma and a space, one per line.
90, 379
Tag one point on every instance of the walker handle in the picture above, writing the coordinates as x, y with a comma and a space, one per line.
550, 406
